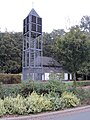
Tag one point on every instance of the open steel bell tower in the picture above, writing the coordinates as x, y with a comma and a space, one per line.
32, 67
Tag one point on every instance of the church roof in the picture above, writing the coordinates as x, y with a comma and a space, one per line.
47, 61
33, 12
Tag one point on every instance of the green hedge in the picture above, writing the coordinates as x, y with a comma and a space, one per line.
10, 78
83, 83
24, 89
42, 87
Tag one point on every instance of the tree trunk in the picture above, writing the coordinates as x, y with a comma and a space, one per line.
74, 78
86, 77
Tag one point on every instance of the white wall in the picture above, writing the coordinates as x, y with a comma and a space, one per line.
65, 76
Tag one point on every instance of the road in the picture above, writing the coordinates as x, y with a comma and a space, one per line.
81, 114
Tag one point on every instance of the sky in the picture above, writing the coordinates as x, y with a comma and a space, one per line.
56, 14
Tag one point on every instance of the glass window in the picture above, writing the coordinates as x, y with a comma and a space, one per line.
33, 19
27, 19
33, 27
27, 27
39, 28
39, 21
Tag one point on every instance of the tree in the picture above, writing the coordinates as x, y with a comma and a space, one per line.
10, 52
49, 40
85, 23
72, 50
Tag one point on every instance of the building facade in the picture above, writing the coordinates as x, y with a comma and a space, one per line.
32, 47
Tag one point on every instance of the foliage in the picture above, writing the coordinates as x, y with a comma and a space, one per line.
84, 95
82, 83
15, 105
68, 100
10, 90
10, 52
10, 78
37, 103
2, 108
49, 39
72, 49
43, 87
55, 99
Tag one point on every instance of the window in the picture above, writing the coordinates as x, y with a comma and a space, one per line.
24, 22
27, 19
33, 35
23, 30
27, 27
33, 19
27, 42
33, 27
27, 58
24, 43
39, 21
39, 28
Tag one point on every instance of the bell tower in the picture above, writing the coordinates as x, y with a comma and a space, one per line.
32, 67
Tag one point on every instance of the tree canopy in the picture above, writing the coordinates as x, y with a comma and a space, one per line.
10, 52
72, 49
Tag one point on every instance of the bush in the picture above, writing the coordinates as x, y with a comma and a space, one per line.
10, 78
37, 103
55, 100
84, 95
2, 108
68, 100
10, 90
43, 87
15, 105
82, 83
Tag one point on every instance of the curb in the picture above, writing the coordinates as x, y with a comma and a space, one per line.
46, 114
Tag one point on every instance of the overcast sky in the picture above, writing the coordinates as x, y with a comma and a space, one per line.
56, 14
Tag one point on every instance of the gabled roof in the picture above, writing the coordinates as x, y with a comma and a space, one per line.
33, 12
47, 61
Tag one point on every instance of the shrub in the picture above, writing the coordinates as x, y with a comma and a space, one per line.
82, 83
42, 87
55, 100
56, 86
37, 103
15, 105
10, 90
2, 108
10, 78
84, 95
68, 100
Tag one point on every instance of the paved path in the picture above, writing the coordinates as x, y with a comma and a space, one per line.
82, 113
